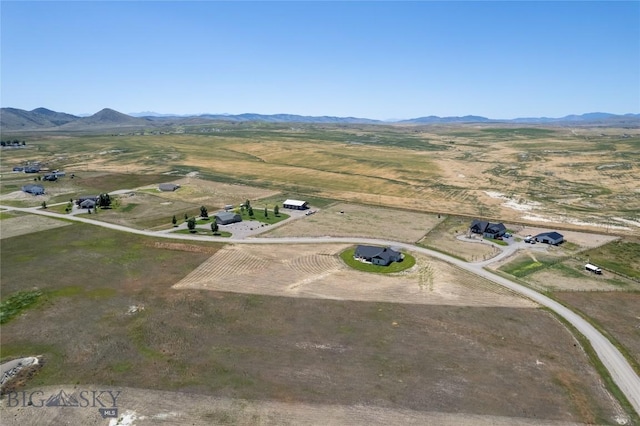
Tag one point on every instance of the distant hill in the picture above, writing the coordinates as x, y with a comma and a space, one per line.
17, 119
432, 119
13, 119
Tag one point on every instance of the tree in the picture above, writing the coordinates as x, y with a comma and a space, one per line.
174, 221
266, 213
247, 204
250, 211
44, 204
104, 200
214, 227
276, 210
191, 224
203, 212
186, 217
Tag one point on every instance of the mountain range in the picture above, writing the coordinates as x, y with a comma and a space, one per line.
14, 119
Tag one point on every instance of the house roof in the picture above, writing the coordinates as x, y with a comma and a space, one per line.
226, 215
479, 224
296, 203
495, 228
169, 186
369, 252
87, 203
553, 235
33, 188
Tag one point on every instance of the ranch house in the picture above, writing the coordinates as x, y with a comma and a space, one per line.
488, 229
225, 218
33, 189
83, 198
554, 238
295, 205
377, 255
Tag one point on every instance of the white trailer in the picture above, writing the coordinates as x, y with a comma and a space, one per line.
592, 268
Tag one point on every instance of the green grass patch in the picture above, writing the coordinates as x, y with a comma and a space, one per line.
406, 263
16, 303
128, 208
524, 266
618, 256
258, 214
567, 271
224, 234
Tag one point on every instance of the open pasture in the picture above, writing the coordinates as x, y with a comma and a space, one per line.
575, 177
357, 220
309, 350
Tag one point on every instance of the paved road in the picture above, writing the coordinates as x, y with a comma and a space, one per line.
621, 372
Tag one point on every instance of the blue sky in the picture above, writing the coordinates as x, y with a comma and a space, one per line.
380, 60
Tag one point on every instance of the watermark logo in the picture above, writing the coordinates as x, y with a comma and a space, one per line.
106, 401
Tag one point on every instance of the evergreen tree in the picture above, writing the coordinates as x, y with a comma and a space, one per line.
191, 224
276, 210
174, 220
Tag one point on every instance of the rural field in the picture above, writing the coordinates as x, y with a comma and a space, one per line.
267, 349
356, 220
573, 177
250, 329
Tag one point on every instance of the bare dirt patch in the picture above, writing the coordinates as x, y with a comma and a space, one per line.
27, 224
317, 272
355, 220
151, 407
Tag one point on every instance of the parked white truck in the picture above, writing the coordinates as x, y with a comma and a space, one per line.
592, 268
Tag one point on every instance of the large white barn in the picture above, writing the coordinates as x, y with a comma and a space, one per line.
295, 205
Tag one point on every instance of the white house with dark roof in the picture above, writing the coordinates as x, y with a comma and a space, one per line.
295, 204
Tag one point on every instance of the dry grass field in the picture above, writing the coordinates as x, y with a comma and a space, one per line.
466, 357
146, 407
356, 220
293, 325
615, 312
317, 272
26, 224
574, 177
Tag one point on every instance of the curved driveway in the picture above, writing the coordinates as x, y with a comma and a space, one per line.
621, 372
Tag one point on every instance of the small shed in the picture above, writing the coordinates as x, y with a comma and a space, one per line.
295, 204
553, 237
33, 189
168, 187
225, 218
